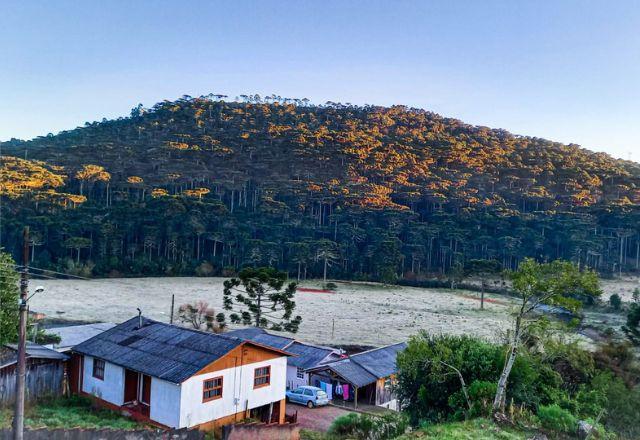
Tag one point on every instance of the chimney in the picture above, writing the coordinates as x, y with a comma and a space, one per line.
139, 318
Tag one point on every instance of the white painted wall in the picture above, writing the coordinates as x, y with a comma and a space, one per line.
111, 388
238, 393
293, 381
165, 402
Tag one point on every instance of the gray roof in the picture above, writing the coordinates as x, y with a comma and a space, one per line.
75, 334
306, 355
261, 336
380, 361
364, 368
34, 351
161, 350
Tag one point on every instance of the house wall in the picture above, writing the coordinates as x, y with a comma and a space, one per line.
293, 381
238, 393
165, 402
111, 388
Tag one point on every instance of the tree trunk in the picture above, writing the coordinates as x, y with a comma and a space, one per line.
325, 271
501, 391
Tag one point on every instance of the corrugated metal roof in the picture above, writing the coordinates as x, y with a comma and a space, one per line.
261, 336
380, 361
161, 350
75, 334
307, 356
364, 368
34, 351
352, 372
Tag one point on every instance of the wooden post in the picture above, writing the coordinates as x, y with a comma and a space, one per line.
173, 299
18, 421
355, 398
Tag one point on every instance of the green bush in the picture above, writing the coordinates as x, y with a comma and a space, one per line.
555, 418
615, 301
366, 427
481, 394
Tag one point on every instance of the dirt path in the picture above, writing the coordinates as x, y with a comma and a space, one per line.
368, 314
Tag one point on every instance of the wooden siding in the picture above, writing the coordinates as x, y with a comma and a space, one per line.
45, 378
241, 355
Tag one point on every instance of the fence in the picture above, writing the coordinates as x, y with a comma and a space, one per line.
45, 378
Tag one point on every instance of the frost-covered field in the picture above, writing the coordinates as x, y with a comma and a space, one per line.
366, 314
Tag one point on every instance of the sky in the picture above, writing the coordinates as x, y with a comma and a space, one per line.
565, 70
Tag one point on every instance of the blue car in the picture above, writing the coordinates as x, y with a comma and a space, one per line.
309, 396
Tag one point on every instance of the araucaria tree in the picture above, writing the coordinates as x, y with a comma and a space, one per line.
259, 297
559, 283
9, 295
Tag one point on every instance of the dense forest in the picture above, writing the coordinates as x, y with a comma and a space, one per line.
207, 185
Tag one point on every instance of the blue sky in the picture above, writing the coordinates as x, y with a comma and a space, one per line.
566, 70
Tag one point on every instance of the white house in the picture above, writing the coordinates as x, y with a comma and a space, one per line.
305, 355
177, 377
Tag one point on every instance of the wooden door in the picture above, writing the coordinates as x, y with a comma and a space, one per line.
146, 390
130, 386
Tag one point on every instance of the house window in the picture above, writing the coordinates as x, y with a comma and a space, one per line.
212, 389
98, 369
300, 373
261, 377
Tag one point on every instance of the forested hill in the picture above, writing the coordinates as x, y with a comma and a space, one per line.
199, 185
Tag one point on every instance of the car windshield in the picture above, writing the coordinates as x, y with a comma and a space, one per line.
321, 394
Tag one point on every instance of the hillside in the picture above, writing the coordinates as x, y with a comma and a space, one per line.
365, 192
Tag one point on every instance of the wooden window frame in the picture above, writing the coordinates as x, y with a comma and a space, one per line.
95, 371
205, 389
256, 377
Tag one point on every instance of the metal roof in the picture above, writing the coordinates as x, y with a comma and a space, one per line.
261, 336
380, 361
364, 368
75, 334
307, 355
34, 351
161, 350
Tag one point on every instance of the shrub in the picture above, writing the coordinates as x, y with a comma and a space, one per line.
366, 427
615, 301
205, 269
554, 418
481, 394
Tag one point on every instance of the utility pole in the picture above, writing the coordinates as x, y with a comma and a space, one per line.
18, 419
173, 299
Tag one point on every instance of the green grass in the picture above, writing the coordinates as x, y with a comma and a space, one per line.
73, 412
477, 429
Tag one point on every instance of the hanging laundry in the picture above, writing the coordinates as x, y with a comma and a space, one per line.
345, 391
338, 390
329, 391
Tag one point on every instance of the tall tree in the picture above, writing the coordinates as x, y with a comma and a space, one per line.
9, 294
259, 297
559, 283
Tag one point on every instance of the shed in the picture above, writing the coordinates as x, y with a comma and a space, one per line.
45, 373
366, 376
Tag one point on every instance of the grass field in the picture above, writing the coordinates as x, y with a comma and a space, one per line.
74, 412
358, 313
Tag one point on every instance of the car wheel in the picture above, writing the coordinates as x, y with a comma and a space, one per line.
310, 404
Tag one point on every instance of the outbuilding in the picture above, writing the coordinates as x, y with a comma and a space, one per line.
365, 378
